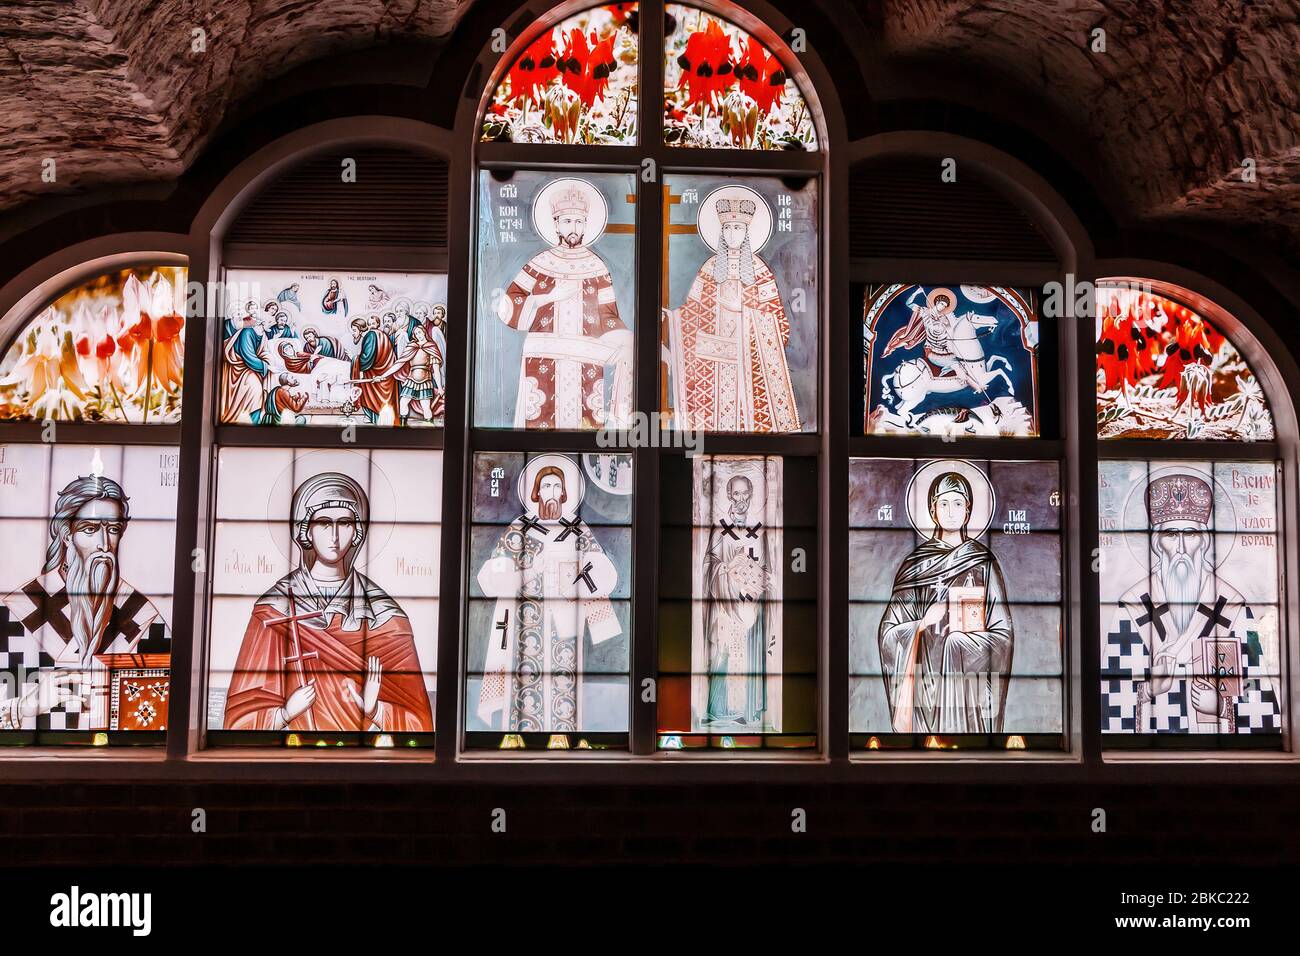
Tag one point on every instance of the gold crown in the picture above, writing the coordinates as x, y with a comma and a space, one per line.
1179, 498
569, 202
736, 210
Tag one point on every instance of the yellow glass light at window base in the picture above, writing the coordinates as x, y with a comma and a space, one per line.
573, 83
110, 350
724, 89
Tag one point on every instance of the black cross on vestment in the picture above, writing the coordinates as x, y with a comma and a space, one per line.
728, 529
1213, 616
571, 526
501, 626
531, 523
753, 532
1154, 615
585, 577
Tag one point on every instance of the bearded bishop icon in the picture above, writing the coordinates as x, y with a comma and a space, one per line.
58, 631
552, 582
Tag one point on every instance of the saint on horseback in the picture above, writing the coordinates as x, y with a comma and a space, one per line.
952, 357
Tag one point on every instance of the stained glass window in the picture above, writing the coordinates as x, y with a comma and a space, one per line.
574, 83
724, 89
324, 613
86, 574
738, 611
110, 350
1190, 619
556, 300
548, 628
1165, 371
333, 348
954, 360
741, 284
955, 622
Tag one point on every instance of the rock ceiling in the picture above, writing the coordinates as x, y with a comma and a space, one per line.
1185, 92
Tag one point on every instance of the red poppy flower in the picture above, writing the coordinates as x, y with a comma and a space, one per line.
535, 67
1189, 346
706, 65
762, 78
169, 326
586, 69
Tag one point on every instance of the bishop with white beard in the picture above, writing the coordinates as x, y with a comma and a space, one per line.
55, 628
1182, 653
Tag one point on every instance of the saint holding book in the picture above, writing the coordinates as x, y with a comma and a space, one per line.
946, 635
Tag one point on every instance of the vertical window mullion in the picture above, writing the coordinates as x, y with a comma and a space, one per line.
649, 259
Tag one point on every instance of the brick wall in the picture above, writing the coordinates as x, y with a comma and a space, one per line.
78, 823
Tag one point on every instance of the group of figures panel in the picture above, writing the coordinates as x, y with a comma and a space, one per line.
317, 348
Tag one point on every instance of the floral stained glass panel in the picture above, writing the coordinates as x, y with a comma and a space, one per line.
724, 89
1165, 371
110, 350
575, 83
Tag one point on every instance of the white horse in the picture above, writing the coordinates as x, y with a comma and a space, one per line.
913, 381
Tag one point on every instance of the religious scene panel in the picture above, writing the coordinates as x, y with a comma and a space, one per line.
575, 83
324, 618
955, 626
738, 620
724, 89
549, 622
1166, 371
1190, 603
955, 360
556, 300
111, 350
86, 574
741, 290
316, 347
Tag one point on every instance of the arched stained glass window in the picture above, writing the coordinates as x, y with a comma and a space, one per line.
956, 560
1166, 371
624, 308
723, 88
574, 83
1189, 564
110, 350
88, 512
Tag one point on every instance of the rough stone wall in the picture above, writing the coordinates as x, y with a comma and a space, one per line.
113, 91
1184, 92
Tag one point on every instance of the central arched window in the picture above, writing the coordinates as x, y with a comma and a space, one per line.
646, 341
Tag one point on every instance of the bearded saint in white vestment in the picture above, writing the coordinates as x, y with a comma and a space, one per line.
552, 583
727, 341
564, 299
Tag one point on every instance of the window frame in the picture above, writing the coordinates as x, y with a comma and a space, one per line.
649, 219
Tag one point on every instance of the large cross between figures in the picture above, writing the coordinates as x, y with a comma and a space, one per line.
670, 229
